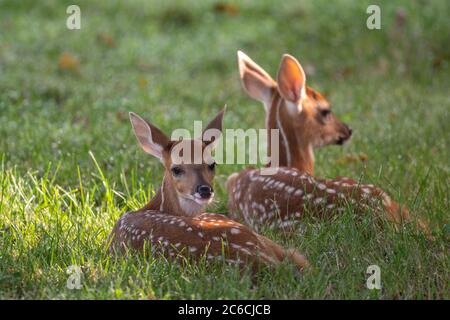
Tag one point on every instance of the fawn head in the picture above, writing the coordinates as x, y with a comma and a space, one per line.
189, 166
304, 112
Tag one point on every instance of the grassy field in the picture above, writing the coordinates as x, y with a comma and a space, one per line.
70, 165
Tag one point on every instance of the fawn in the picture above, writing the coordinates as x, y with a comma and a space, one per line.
302, 115
305, 122
174, 224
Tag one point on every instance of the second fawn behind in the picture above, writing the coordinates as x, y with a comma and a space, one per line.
305, 122
301, 114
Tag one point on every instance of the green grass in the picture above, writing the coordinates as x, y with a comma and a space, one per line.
176, 63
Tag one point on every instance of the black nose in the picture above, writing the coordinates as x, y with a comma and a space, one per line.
350, 131
205, 191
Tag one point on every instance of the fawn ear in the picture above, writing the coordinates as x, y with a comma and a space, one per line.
213, 130
291, 79
151, 139
255, 81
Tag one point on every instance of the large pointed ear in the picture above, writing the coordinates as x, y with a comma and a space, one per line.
213, 130
151, 139
291, 79
255, 81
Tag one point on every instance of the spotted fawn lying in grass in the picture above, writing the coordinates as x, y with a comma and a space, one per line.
305, 121
174, 224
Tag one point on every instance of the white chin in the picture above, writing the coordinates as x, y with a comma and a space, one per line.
191, 207
202, 202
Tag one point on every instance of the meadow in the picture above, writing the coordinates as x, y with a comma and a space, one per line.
70, 164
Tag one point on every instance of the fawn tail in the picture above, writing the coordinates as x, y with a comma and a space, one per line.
400, 214
279, 254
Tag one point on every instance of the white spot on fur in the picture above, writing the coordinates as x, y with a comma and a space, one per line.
319, 200
308, 196
321, 186
235, 231
285, 224
246, 251
387, 200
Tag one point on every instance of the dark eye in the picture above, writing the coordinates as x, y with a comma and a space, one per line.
325, 112
177, 171
212, 166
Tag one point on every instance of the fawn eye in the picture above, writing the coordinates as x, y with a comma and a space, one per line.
212, 166
325, 112
177, 171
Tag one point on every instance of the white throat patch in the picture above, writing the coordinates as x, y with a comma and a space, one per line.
190, 207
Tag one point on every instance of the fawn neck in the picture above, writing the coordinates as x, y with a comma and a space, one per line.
166, 200
294, 152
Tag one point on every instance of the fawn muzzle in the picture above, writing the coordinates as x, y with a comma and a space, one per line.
346, 133
205, 191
